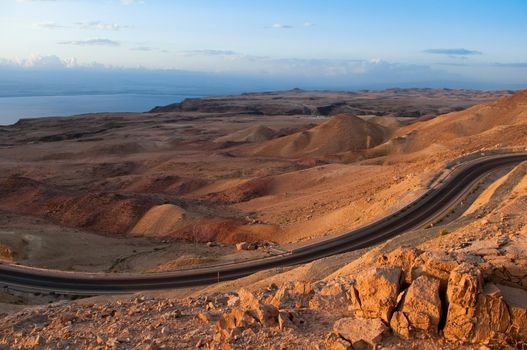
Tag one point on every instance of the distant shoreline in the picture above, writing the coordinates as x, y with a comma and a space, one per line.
13, 109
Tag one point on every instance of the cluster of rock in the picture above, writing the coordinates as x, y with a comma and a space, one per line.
408, 293
425, 294
246, 313
407, 299
254, 245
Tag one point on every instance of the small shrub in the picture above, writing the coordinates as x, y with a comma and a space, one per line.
442, 232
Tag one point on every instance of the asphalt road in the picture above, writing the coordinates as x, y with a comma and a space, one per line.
419, 213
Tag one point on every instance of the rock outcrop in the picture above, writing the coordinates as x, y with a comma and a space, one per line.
361, 333
375, 292
422, 305
404, 257
292, 294
332, 296
267, 314
464, 285
437, 264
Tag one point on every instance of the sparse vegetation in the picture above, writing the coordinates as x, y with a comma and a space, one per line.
442, 232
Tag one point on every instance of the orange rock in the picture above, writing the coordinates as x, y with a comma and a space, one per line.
360, 332
464, 285
404, 257
376, 292
332, 296
400, 325
266, 313
422, 305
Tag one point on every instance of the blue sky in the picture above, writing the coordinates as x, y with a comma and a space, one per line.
394, 40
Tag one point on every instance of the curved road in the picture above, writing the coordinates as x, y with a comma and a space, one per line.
419, 213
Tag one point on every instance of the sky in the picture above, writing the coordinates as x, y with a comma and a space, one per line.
351, 42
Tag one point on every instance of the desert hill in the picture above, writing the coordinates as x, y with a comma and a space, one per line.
257, 133
160, 220
500, 122
339, 134
387, 121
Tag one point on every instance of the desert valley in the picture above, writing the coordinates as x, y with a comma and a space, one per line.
224, 180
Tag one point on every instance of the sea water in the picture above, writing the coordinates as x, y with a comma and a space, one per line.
14, 108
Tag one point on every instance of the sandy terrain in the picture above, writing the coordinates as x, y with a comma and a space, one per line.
155, 187
146, 192
37, 242
494, 237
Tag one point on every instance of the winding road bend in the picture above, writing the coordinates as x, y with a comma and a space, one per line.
423, 211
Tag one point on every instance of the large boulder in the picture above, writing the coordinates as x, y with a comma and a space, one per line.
334, 342
292, 294
266, 313
248, 299
464, 285
375, 292
437, 264
238, 318
209, 316
492, 317
422, 305
516, 299
332, 296
493, 314
245, 246
404, 257
507, 269
360, 332
234, 323
289, 319
400, 324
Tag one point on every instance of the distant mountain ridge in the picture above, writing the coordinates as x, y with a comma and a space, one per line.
414, 102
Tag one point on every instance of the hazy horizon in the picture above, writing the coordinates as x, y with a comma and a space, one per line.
133, 55
273, 45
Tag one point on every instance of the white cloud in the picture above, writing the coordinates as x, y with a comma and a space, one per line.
281, 26
100, 25
95, 25
350, 71
309, 24
42, 62
48, 25
91, 42
209, 52
453, 52
148, 49
131, 2
143, 48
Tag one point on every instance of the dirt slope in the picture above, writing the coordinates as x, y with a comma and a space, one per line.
105, 212
257, 133
339, 134
482, 120
160, 220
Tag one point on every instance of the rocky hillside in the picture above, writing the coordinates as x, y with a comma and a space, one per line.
465, 289
481, 124
409, 299
398, 102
